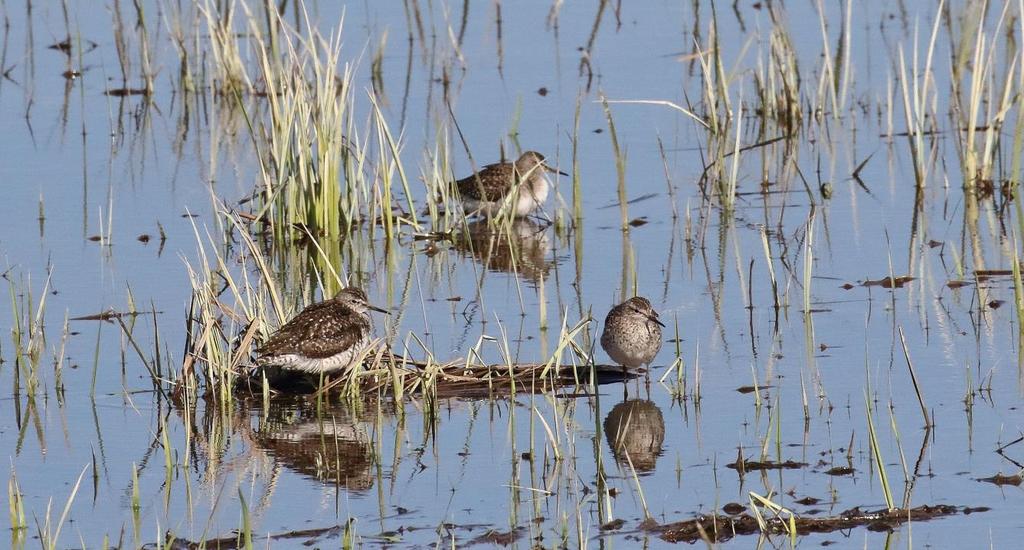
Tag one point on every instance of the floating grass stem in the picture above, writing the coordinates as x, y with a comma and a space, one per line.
913, 379
876, 453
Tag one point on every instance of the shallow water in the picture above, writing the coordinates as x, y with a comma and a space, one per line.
79, 164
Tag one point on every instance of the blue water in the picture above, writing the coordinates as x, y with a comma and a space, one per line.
93, 164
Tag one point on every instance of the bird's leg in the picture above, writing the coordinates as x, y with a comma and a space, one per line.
545, 219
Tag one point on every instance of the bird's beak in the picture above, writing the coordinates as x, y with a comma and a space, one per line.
554, 171
380, 309
655, 319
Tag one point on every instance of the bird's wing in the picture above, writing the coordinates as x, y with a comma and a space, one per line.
291, 333
334, 334
491, 183
321, 330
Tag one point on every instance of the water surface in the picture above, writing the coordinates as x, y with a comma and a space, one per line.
105, 195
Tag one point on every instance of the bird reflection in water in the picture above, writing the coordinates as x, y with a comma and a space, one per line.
635, 430
331, 446
521, 247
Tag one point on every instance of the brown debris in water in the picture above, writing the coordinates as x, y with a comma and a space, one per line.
498, 537
723, 528
986, 274
125, 92
613, 525
453, 379
62, 46
743, 465
734, 508
110, 315
752, 389
235, 541
889, 282
1001, 479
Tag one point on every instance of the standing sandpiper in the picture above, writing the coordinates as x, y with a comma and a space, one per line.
632, 333
325, 337
521, 184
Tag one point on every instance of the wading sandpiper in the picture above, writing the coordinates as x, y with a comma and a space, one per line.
632, 333
520, 187
326, 337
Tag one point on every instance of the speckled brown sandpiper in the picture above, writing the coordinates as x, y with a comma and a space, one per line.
632, 333
521, 185
326, 337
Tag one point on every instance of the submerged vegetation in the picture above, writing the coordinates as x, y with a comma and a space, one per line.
840, 228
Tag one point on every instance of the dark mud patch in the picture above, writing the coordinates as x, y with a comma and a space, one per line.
722, 528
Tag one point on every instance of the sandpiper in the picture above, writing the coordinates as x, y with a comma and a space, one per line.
632, 333
522, 185
325, 337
